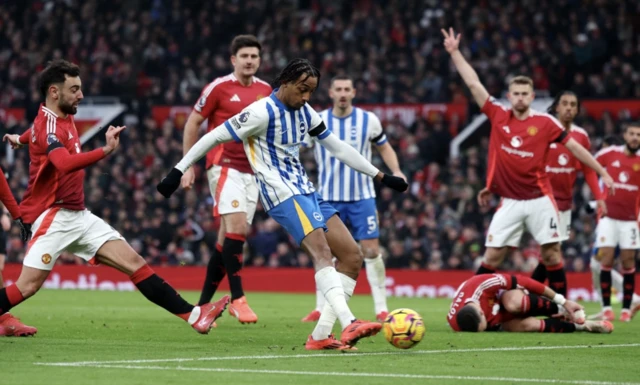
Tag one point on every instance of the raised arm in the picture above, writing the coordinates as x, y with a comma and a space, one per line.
468, 74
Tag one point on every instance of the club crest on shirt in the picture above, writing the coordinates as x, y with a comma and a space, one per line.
244, 116
532, 131
636, 167
302, 127
51, 139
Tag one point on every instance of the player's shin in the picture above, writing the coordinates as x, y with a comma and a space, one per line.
156, 290
327, 316
10, 296
330, 283
605, 286
628, 287
539, 273
551, 325
215, 273
376, 276
534, 306
233, 258
557, 278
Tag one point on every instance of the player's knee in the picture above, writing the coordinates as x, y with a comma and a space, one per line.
512, 301
236, 223
370, 252
551, 254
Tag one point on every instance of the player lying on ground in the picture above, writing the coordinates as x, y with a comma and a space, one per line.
272, 130
502, 302
54, 205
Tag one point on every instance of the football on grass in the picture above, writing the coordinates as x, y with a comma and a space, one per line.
403, 328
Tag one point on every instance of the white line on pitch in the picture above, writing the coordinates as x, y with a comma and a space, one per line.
383, 375
332, 355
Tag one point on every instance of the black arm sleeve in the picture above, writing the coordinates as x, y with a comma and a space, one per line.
561, 137
319, 129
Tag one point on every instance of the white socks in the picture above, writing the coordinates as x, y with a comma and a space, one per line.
320, 301
329, 282
376, 276
616, 280
328, 315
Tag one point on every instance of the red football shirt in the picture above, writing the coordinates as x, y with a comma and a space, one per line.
518, 151
47, 186
485, 289
219, 101
562, 167
625, 171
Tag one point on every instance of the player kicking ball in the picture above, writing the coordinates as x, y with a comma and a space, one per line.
272, 130
502, 302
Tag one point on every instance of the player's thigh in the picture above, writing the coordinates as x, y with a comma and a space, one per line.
628, 235
364, 219
564, 225
299, 215
542, 220
523, 325
252, 195
512, 301
607, 233
228, 189
507, 224
53, 232
101, 243
343, 247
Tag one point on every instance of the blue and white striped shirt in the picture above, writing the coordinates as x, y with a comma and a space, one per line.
272, 134
337, 181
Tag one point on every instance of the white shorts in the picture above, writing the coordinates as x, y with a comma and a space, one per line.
564, 225
232, 191
613, 232
57, 230
539, 215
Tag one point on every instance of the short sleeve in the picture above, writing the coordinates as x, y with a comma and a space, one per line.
315, 119
555, 130
602, 156
208, 100
252, 121
492, 108
376, 135
53, 137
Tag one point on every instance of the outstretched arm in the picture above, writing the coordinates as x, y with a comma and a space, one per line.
65, 162
468, 74
219, 135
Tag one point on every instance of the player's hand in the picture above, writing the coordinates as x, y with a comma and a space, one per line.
451, 40
188, 179
13, 140
399, 174
25, 229
576, 311
601, 207
394, 182
170, 183
113, 138
608, 181
483, 197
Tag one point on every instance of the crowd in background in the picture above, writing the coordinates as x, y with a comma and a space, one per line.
159, 52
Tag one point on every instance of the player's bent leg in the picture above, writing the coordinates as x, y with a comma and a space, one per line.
215, 269
119, 254
552, 258
517, 301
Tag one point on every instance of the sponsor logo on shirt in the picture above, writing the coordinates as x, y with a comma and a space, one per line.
513, 151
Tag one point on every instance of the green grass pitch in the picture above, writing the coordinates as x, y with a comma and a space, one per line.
120, 338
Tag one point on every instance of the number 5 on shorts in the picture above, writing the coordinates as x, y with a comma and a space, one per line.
371, 223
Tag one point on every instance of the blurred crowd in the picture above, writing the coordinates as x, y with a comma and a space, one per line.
155, 52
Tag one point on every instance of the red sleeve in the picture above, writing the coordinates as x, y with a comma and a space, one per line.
208, 100
24, 138
7, 198
591, 177
65, 162
556, 132
534, 287
491, 108
602, 157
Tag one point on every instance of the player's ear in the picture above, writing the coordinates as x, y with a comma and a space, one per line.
54, 91
233, 60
